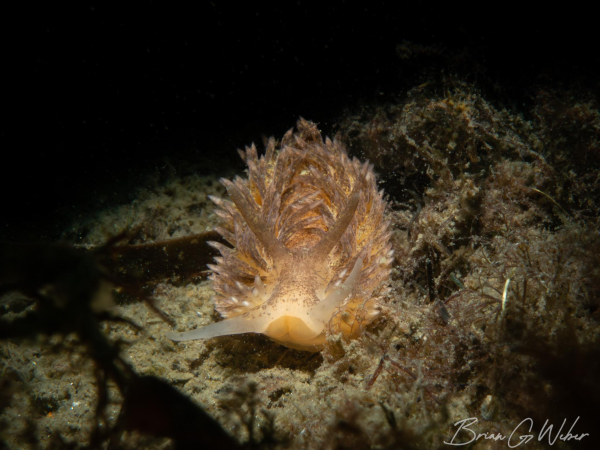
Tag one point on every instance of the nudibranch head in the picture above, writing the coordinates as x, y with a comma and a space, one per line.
311, 249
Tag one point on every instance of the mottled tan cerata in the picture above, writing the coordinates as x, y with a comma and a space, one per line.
311, 247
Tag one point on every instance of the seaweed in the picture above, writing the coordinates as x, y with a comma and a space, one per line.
68, 287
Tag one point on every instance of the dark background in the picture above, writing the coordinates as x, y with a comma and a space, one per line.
98, 99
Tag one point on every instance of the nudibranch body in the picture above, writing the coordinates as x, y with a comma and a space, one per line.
311, 249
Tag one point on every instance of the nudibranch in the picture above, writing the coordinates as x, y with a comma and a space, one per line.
311, 248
